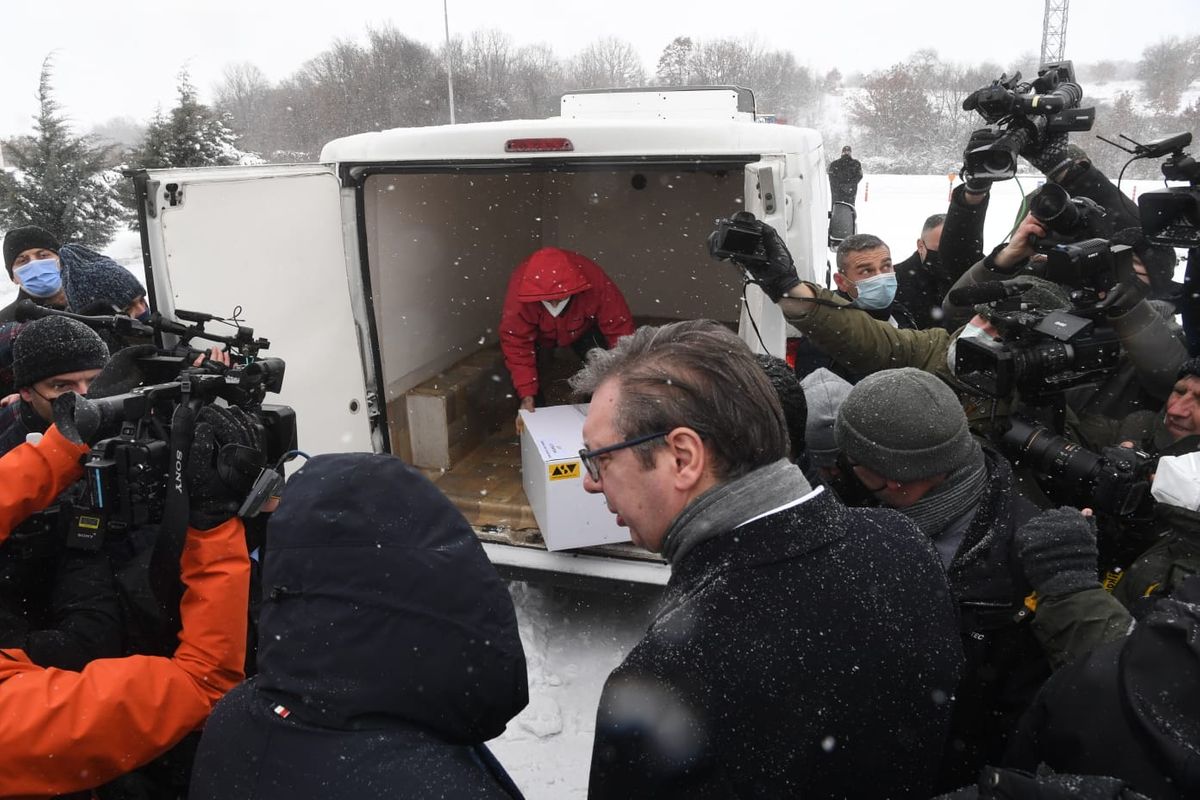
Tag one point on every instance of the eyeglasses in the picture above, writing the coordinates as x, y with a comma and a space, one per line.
588, 457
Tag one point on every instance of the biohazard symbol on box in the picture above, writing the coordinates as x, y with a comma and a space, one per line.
562, 472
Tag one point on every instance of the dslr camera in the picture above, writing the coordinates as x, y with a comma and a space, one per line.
1116, 482
738, 238
1024, 113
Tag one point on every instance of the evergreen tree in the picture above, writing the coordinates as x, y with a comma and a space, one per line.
675, 63
191, 135
59, 181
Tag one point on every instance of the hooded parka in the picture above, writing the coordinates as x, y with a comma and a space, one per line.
388, 649
525, 325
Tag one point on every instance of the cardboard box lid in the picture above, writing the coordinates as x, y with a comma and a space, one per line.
557, 431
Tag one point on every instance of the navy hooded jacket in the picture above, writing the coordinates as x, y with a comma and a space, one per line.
388, 649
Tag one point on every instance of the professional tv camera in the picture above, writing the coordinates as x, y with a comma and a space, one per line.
1024, 113
1041, 353
134, 474
1115, 482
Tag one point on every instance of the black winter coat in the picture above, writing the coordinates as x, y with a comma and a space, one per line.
388, 649
1005, 663
1129, 709
810, 653
920, 288
844, 174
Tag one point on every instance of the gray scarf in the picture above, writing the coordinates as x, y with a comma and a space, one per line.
948, 501
727, 505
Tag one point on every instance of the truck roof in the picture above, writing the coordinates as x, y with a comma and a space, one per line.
637, 136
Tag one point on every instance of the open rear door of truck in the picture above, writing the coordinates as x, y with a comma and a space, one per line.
270, 240
762, 324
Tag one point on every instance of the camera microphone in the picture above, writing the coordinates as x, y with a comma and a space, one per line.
27, 311
987, 292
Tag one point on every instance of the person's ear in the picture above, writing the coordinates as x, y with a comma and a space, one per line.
689, 459
840, 280
921, 248
26, 394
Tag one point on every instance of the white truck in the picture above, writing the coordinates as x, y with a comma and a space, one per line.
378, 274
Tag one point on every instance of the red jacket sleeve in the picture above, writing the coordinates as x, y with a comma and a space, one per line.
613, 317
67, 731
31, 476
518, 335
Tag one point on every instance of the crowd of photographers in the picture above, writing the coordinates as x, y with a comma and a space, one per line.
951, 549
1066, 518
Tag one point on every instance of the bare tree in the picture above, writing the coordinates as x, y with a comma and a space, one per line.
607, 63
1166, 70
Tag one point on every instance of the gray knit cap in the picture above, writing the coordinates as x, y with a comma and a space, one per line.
1042, 294
825, 393
54, 346
904, 424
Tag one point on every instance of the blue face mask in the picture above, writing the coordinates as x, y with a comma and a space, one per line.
39, 278
144, 316
877, 291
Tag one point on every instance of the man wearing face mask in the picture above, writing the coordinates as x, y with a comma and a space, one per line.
71, 277
31, 258
557, 298
921, 283
865, 280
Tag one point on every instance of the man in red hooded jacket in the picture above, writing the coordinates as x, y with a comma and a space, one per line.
557, 298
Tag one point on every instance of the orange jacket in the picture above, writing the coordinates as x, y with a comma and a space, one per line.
66, 731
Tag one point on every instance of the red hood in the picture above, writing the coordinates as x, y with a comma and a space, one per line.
550, 274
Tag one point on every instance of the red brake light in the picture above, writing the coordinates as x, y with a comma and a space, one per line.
538, 146
793, 349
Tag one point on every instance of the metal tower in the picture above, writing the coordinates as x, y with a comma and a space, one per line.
1054, 31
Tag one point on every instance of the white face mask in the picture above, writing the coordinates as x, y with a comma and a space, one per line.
1177, 481
555, 307
968, 332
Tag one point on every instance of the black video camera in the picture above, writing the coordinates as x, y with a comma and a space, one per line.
1091, 266
1024, 114
132, 471
1039, 352
738, 238
1171, 216
1117, 482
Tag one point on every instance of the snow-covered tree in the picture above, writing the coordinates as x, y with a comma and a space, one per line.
1166, 70
190, 135
59, 180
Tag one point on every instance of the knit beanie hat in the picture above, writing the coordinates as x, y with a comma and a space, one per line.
825, 393
99, 286
904, 424
1043, 294
18, 240
54, 346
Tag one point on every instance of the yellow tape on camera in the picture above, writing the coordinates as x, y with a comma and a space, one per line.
563, 472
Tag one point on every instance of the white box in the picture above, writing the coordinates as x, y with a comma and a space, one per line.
553, 478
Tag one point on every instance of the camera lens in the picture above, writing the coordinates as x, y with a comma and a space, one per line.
1067, 464
1053, 208
1032, 365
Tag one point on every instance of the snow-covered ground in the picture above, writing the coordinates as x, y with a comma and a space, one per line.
573, 639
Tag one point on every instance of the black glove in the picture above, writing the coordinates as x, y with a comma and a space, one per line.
226, 455
977, 184
1123, 297
1048, 152
777, 274
123, 372
1058, 552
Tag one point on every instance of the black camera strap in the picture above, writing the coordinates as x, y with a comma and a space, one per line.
168, 547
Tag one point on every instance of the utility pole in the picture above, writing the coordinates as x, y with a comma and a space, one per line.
449, 68
1054, 31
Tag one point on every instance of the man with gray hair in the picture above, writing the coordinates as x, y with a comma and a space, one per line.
774, 619
906, 436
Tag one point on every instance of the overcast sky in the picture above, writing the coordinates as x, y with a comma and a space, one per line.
120, 58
